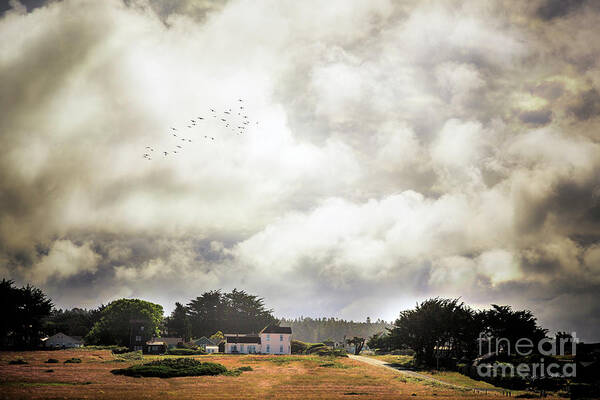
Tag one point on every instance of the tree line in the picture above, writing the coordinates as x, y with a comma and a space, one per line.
315, 330
449, 330
30, 315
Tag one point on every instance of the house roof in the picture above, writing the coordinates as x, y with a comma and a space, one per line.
168, 340
60, 334
277, 329
242, 339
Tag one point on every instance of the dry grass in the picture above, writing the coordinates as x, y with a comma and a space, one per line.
291, 377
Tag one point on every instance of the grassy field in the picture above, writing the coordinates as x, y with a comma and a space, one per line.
285, 377
451, 377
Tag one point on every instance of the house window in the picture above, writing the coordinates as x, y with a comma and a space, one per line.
242, 348
141, 328
268, 348
281, 348
281, 338
234, 348
138, 338
268, 337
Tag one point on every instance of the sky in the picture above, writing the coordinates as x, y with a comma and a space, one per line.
396, 151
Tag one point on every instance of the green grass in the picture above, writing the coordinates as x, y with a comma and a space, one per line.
334, 364
131, 356
396, 361
281, 360
457, 378
185, 352
169, 368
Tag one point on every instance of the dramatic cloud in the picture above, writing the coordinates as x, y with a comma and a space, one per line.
403, 150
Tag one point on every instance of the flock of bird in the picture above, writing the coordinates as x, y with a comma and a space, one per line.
235, 120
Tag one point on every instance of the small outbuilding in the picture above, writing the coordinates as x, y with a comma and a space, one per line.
62, 341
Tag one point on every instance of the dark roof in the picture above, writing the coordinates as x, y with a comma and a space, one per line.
242, 339
277, 329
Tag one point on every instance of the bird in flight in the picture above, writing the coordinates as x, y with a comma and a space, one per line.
237, 125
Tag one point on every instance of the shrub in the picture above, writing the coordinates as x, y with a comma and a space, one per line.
18, 361
131, 356
245, 368
49, 370
120, 350
51, 361
172, 367
185, 352
299, 347
73, 360
315, 347
329, 352
320, 349
113, 348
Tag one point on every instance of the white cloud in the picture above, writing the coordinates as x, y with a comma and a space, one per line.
65, 259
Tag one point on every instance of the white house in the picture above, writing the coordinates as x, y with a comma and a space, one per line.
242, 343
271, 340
61, 340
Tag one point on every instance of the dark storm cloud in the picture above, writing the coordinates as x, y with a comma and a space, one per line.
550, 9
587, 105
30, 5
536, 117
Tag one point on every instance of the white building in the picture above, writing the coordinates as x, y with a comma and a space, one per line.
61, 340
271, 340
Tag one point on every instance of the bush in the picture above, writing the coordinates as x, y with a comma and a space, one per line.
299, 347
172, 367
120, 350
403, 352
245, 368
18, 361
329, 352
73, 361
49, 370
315, 347
185, 352
131, 356
113, 348
51, 361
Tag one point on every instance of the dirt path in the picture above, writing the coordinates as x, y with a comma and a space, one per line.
379, 363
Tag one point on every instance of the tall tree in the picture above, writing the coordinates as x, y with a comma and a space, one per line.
245, 312
178, 323
114, 324
74, 322
206, 313
24, 312
436, 327
505, 326
236, 311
